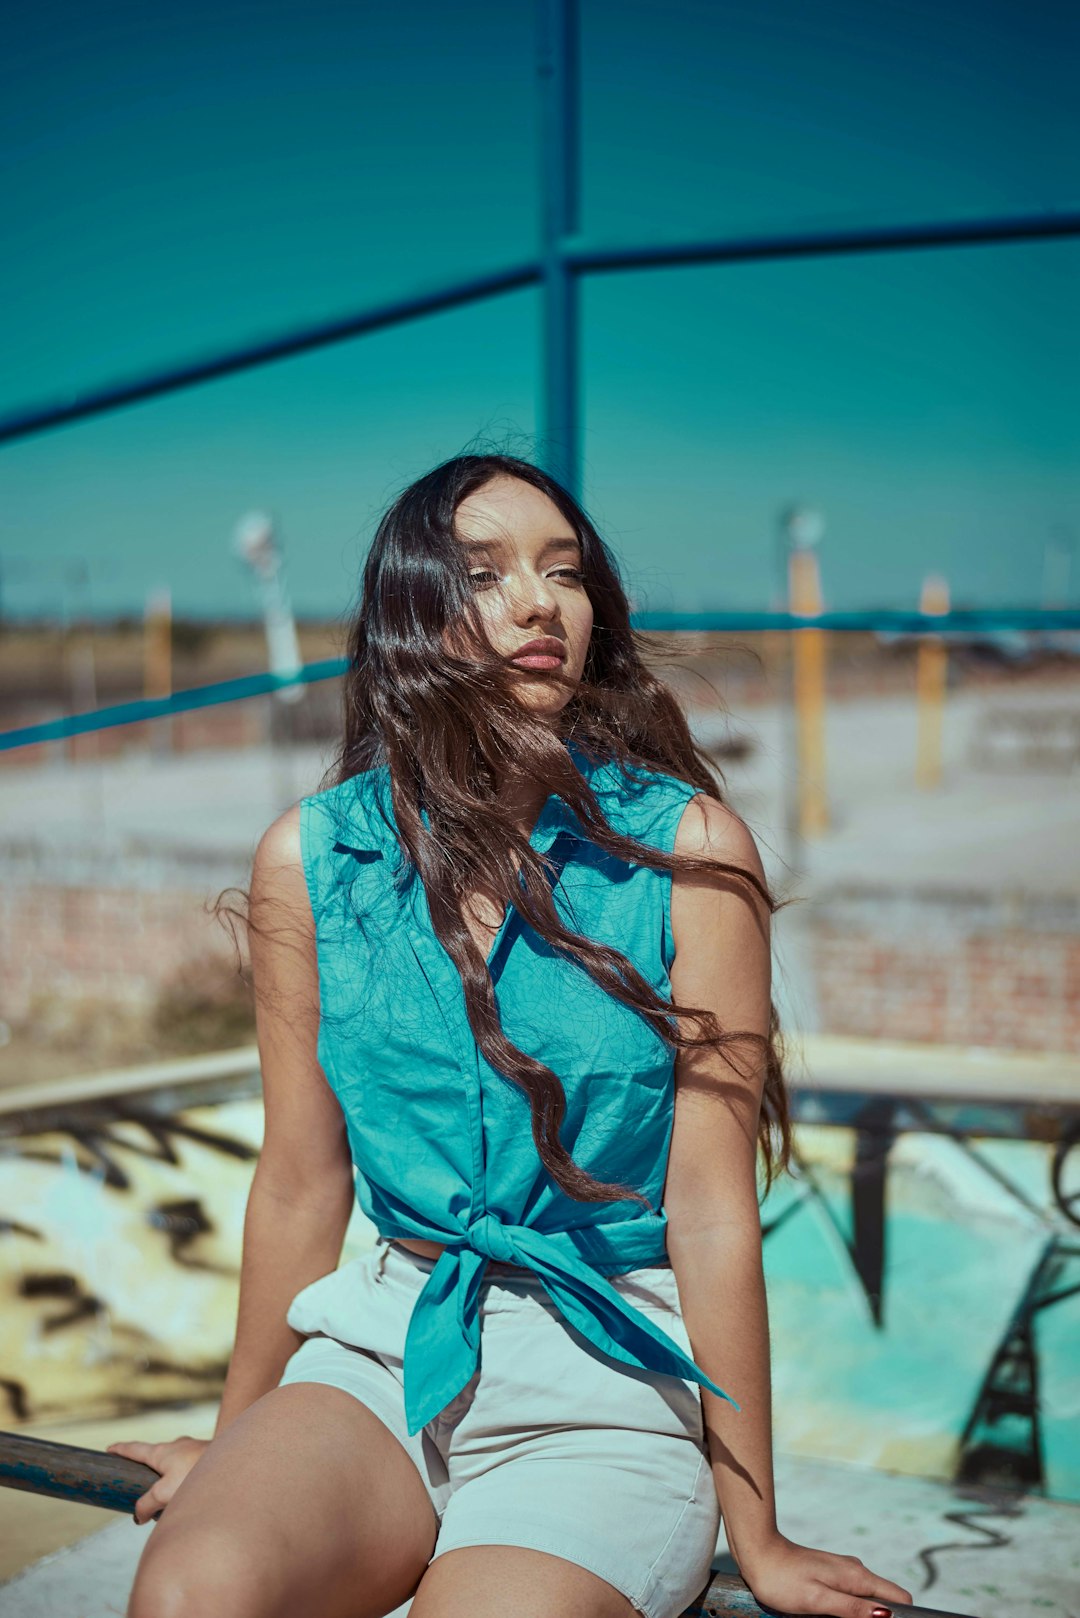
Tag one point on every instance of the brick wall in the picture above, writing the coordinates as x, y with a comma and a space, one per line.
68, 930
964, 968
956, 968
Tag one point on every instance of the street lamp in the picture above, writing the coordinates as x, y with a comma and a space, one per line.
254, 541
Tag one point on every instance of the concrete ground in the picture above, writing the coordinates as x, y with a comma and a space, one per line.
988, 828
981, 1552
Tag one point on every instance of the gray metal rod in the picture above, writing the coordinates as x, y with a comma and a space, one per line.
96, 1478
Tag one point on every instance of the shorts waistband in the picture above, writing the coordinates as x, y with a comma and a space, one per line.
390, 1249
507, 1288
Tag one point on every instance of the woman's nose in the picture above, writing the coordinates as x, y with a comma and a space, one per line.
533, 598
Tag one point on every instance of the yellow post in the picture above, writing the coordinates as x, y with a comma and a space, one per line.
157, 665
808, 653
157, 644
931, 679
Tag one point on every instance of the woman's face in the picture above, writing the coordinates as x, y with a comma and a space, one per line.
525, 563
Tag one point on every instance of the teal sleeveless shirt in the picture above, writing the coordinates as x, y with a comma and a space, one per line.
441, 1141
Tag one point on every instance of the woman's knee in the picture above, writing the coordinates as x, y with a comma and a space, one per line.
209, 1573
307, 1494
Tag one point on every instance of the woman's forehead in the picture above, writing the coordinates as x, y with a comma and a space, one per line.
508, 510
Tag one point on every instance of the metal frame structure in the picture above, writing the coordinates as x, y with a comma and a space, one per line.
564, 258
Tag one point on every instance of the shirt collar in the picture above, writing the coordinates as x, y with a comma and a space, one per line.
555, 816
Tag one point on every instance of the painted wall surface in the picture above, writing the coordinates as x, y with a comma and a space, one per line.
937, 1340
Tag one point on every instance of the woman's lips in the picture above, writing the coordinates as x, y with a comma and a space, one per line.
537, 660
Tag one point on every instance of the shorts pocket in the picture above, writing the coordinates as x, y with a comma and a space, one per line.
349, 1306
655, 1292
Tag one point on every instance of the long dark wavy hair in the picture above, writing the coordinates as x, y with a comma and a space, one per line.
452, 733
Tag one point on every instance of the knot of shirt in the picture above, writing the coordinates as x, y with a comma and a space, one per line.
488, 1235
442, 1341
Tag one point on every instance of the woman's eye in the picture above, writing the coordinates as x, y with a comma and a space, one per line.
481, 575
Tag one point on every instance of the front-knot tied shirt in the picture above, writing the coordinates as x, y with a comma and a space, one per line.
442, 1141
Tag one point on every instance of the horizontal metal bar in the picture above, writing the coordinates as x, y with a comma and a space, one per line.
729, 1597
813, 244
839, 1063
24, 423
97, 1478
253, 685
891, 620
144, 708
183, 1076
837, 1071
69, 1472
578, 256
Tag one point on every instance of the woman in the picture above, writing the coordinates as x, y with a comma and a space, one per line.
542, 1387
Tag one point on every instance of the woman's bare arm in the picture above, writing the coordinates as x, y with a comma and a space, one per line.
302, 1191
721, 931
723, 963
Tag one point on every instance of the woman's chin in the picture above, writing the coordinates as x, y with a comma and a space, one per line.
542, 703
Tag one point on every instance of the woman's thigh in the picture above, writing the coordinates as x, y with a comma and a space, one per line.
489, 1581
306, 1503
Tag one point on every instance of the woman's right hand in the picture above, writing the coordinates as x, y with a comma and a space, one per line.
174, 1460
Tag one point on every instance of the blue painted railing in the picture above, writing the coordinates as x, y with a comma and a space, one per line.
986, 622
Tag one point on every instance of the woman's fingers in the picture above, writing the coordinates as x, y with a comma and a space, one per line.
866, 1592
148, 1506
134, 1449
151, 1504
172, 1461
881, 1591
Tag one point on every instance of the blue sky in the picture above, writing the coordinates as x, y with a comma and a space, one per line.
179, 180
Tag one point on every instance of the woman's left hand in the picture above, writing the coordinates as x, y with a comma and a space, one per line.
798, 1579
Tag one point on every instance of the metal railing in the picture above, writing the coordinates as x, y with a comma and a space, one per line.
964, 622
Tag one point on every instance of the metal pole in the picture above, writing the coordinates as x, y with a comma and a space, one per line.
99, 1478
557, 64
931, 686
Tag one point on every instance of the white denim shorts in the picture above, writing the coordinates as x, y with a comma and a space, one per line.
552, 1444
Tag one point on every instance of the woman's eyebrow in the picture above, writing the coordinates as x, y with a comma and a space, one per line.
559, 542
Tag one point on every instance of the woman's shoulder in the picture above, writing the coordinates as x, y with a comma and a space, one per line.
351, 810
711, 826
711, 830
664, 810
339, 832
277, 869
643, 801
